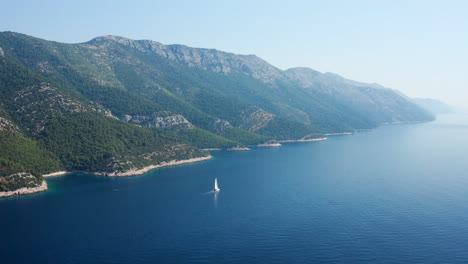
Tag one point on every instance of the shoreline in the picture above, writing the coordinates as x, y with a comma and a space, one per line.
339, 134
53, 174
44, 187
23, 191
152, 167
269, 145
403, 122
133, 172
239, 149
303, 140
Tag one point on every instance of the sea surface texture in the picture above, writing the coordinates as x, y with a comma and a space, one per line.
397, 194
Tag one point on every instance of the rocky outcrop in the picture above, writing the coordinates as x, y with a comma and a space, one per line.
26, 190
219, 125
18, 181
158, 120
44, 67
238, 148
256, 120
6, 124
170, 121
2, 53
206, 59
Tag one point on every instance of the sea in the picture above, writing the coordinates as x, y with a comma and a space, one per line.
395, 194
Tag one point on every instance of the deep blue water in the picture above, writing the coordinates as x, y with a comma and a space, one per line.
397, 194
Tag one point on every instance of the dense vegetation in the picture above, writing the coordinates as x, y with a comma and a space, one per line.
114, 104
88, 141
21, 154
200, 138
280, 128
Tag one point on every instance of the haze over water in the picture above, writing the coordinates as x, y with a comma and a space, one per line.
397, 194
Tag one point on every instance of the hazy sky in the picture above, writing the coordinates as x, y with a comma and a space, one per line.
418, 47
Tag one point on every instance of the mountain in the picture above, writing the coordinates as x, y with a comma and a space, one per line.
113, 104
370, 104
434, 106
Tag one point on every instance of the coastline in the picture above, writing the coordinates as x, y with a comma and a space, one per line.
244, 148
22, 191
152, 167
133, 172
53, 174
303, 140
44, 187
339, 134
403, 122
239, 149
269, 145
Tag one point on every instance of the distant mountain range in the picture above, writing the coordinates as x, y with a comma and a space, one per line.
434, 106
114, 104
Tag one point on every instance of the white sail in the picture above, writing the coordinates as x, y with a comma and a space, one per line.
216, 185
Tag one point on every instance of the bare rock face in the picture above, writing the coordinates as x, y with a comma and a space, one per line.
256, 120
169, 121
206, 59
220, 125
221, 62
5, 121
126, 118
44, 67
162, 119
2, 53
6, 124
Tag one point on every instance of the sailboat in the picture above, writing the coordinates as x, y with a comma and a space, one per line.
216, 189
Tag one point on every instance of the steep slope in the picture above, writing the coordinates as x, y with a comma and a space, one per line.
205, 85
46, 128
215, 75
114, 104
185, 78
118, 80
372, 103
208, 79
22, 160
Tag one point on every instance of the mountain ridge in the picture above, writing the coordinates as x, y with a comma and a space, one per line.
116, 104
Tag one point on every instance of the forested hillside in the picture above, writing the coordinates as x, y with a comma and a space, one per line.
115, 104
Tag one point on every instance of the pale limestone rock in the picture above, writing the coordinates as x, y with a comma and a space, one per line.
162, 119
